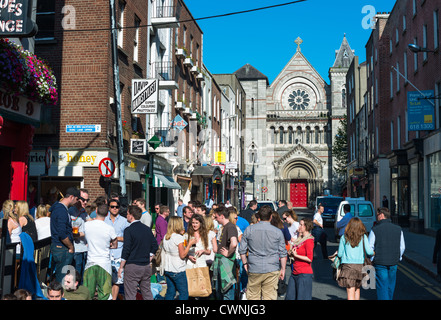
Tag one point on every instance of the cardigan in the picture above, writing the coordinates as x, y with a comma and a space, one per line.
355, 255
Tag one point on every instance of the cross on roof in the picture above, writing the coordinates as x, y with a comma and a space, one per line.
298, 41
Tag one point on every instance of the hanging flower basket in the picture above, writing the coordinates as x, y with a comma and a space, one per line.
23, 73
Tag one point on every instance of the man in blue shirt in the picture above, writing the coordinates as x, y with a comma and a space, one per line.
62, 246
341, 225
181, 206
119, 223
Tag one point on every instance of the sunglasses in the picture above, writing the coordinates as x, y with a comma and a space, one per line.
84, 200
114, 207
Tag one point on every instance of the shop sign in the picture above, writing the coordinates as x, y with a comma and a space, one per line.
420, 110
220, 156
145, 93
15, 19
25, 109
179, 123
138, 146
69, 158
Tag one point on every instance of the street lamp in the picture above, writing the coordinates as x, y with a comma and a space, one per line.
416, 48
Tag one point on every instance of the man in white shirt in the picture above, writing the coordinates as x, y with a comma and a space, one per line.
146, 217
100, 237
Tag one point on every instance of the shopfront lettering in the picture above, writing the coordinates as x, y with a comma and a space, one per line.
15, 18
19, 105
81, 158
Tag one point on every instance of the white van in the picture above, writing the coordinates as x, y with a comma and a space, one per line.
360, 208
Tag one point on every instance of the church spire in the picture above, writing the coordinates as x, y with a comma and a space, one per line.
343, 56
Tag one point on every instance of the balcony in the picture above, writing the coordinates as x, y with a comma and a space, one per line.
180, 53
168, 137
165, 72
194, 70
188, 62
165, 16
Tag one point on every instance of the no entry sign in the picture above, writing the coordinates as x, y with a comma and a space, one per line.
106, 167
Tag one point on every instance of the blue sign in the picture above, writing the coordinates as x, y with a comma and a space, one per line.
83, 128
179, 123
420, 110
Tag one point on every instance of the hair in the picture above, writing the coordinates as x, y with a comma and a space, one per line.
41, 211
9, 296
252, 203
385, 212
265, 213
141, 201
175, 225
114, 195
22, 294
202, 206
54, 285
354, 231
347, 207
72, 191
102, 210
163, 209
283, 202
276, 221
232, 214
292, 214
90, 208
7, 207
23, 209
309, 225
113, 200
222, 210
209, 225
254, 219
135, 211
232, 209
100, 200
203, 232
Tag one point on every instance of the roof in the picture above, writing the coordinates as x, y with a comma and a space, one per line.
248, 72
343, 56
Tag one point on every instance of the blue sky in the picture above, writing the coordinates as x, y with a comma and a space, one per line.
265, 39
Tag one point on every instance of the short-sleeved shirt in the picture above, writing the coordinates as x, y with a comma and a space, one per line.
119, 225
79, 217
98, 236
173, 262
228, 231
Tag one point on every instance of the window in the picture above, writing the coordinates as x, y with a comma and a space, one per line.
308, 135
120, 25
425, 41
414, 7
392, 135
281, 134
397, 38
272, 135
404, 23
415, 57
317, 135
290, 135
398, 132
435, 30
45, 20
398, 76
391, 85
136, 40
405, 66
365, 210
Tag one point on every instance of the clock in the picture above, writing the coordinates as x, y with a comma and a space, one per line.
298, 97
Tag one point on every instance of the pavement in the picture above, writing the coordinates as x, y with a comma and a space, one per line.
419, 251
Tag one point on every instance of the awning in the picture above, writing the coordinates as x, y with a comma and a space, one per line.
207, 171
161, 181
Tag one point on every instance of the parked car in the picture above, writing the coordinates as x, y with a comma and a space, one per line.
360, 208
330, 204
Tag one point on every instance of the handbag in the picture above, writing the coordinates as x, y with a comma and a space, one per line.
336, 265
199, 283
157, 258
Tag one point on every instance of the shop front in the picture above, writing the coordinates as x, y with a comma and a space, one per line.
432, 151
80, 168
206, 183
416, 182
399, 204
27, 84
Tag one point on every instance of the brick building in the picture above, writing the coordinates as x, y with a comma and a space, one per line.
75, 39
404, 138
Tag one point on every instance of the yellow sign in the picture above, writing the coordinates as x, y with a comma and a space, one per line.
220, 157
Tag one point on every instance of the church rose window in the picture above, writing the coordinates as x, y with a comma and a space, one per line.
299, 100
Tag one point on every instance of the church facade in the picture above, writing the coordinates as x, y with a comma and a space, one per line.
290, 127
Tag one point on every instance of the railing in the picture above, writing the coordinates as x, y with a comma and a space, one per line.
166, 12
164, 70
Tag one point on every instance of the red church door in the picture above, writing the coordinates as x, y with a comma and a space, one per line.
299, 193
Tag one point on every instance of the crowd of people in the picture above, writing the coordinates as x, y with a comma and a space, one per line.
98, 252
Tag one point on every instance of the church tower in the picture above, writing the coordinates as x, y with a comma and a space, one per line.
290, 126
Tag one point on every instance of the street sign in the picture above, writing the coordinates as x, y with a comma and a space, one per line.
420, 110
106, 167
231, 165
83, 128
264, 189
220, 156
145, 93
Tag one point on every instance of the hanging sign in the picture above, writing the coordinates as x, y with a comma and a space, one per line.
420, 110
145, 95
15, 19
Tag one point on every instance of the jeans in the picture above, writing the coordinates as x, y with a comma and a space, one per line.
176, 282
60, 259
80, 262
299, 287
385, 279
